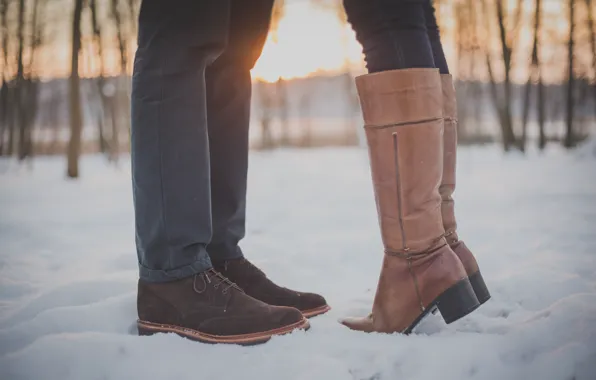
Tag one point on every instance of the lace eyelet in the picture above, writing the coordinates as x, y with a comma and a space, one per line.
216, 286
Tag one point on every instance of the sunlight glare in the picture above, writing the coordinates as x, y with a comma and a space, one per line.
309, 40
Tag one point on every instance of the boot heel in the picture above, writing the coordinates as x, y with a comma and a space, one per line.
479, 287
457, 301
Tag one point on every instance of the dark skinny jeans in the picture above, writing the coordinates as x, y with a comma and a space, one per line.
397, 34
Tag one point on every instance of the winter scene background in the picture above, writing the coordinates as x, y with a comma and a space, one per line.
525, 197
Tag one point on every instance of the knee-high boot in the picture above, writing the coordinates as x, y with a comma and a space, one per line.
403, 117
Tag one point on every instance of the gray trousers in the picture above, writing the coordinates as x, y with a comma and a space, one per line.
191, 92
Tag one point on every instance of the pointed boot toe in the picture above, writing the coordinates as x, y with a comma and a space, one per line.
364, 324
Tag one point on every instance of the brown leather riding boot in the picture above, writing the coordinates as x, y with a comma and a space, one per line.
402, 111
210, 308
448, 187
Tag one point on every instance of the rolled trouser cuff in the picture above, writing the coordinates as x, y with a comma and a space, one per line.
201, 264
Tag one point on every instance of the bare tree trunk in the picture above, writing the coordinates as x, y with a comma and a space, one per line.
569, 140
592, 30
120, 35
305, 117
4, 109
54, 120
76, 118
494, 91
132, 10
266, 103
3, 113
20, 78
30, 98
476, 91
541, 107
533, 73
526, 113
113, 111
10, 122
100, 79
506, 119
464, 76
282, 107
8, 97
541, 113
351, 137
120, 101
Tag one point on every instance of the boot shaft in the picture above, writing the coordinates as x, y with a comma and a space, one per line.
402, 110
449, 158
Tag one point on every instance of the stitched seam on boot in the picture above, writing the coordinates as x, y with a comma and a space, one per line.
415, 279
398, 189
401, 124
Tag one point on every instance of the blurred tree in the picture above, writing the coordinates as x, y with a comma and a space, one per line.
469, 90
5, 109
534, 76
305, 119
266, 103
281, 88
508, 30
29, 89
281, 96
592, 36
133, 6
100, 80
76, 118
569, 140
20, 85
120, 105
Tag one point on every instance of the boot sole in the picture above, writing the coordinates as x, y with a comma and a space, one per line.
149, 328
479, 287
316, 311
453, 304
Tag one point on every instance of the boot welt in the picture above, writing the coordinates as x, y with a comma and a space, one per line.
150, 328
316, 311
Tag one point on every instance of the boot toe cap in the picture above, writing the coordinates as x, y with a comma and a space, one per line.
364, 324
288, 316
311, 301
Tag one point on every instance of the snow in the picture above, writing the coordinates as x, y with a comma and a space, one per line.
587, 148
68, 273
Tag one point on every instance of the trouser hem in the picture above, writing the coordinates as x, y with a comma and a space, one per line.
202, 264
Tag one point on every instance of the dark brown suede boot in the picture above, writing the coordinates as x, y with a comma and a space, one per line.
402, 110
256, 284
210, 308
448, 187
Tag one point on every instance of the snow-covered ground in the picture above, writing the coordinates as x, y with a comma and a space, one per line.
68, 273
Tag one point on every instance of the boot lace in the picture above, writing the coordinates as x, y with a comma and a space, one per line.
212, 275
